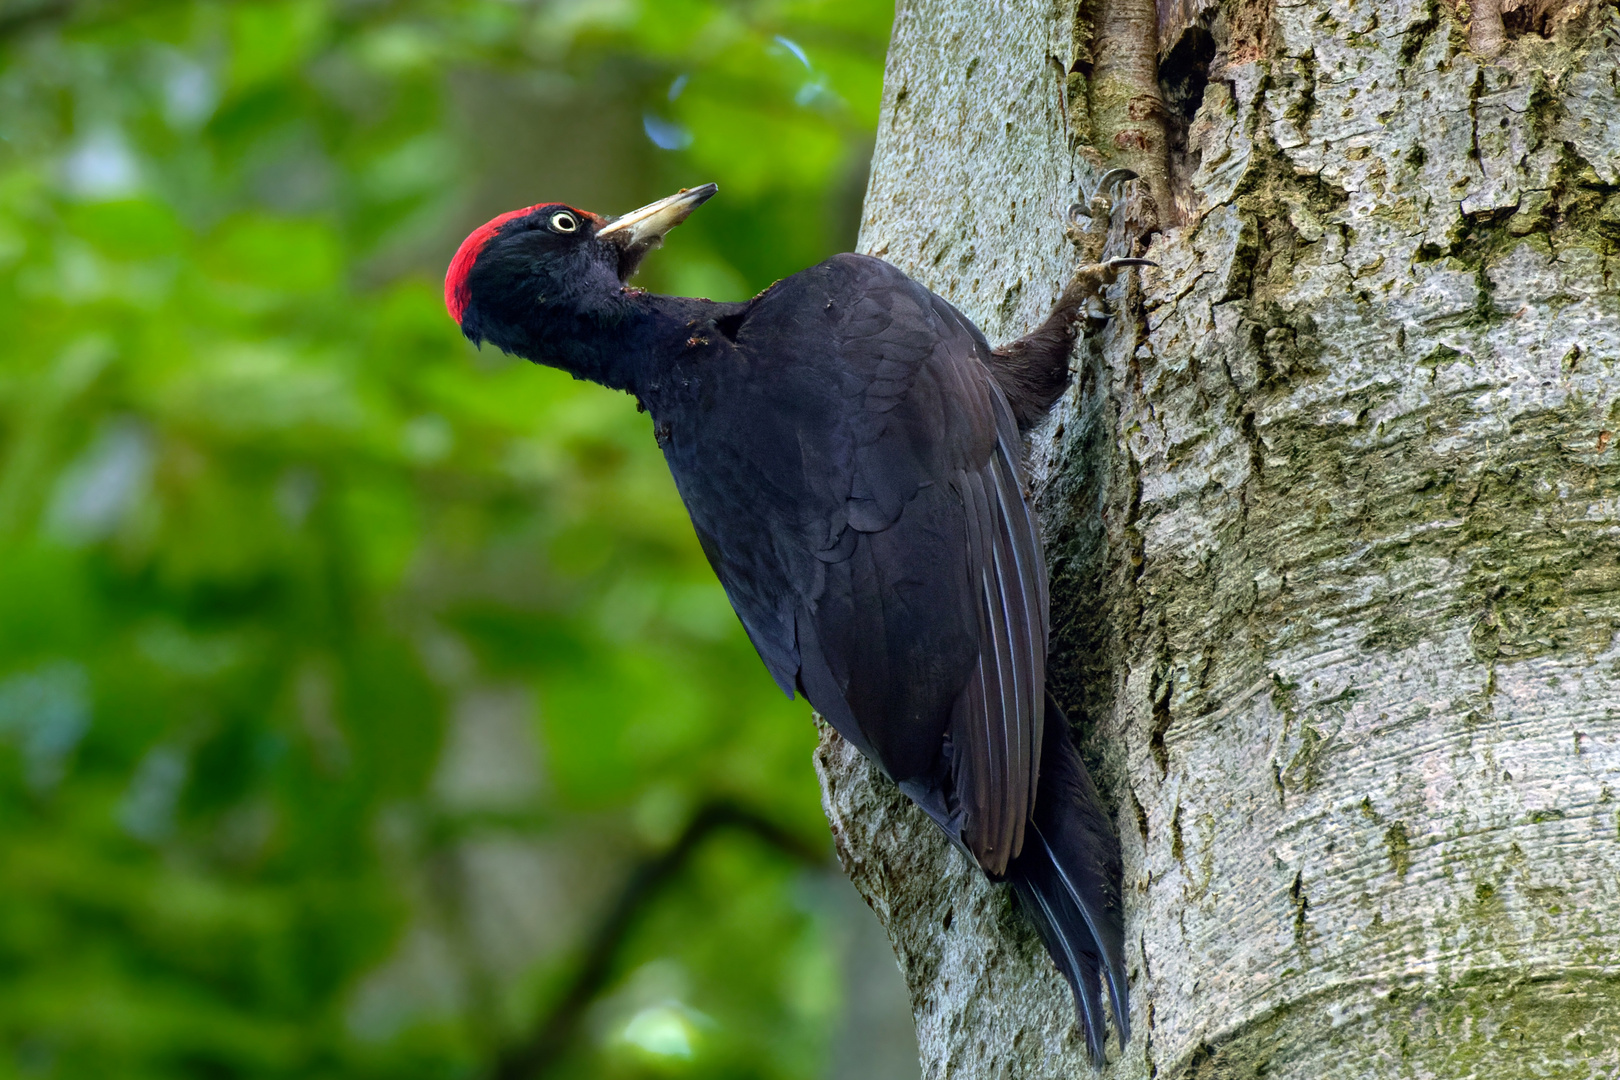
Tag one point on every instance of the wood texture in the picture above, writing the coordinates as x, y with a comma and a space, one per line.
1333, 511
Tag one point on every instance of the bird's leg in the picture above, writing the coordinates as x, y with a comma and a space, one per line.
1034, 370
1098, 231
1088, 283
1090, 222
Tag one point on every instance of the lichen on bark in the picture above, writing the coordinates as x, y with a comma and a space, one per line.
1333, 518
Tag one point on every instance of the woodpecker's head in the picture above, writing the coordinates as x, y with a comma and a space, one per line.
512, 269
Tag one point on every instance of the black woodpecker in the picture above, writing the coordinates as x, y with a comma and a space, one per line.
848, 446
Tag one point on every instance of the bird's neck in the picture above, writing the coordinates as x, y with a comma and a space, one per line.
614, 340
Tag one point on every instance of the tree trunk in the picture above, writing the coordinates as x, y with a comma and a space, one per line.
1333, 518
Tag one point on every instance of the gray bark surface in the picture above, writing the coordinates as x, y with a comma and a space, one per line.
1333, 518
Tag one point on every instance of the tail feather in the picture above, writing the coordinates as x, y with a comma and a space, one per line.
1081, 968
1068, 880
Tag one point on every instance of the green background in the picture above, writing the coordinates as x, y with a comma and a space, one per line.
347, 673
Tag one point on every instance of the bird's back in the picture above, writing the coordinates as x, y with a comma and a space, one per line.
850, 467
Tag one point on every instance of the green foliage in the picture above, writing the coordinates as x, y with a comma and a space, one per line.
280, 555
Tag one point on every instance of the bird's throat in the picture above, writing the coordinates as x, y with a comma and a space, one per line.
608, 341
624, 342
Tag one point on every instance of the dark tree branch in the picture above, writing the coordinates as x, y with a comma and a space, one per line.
554, 1032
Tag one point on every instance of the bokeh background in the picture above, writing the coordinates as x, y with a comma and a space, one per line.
367, 708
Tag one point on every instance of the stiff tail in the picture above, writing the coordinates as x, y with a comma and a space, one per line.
1068, 880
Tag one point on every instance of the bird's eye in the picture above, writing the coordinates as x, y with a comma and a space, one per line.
563, 221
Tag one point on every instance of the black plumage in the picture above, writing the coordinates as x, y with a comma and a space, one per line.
847, 444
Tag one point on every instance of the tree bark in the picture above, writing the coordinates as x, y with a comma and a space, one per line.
1332, 512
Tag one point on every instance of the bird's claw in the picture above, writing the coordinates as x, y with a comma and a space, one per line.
1077, 224
1107, 191
1085, 288
1087, 222
1107, 271
1102, 196
1110, 181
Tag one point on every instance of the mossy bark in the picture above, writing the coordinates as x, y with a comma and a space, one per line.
1333, 517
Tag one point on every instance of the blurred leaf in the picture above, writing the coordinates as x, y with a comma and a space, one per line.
285, 565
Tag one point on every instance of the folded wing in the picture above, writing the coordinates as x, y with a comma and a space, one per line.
875, 540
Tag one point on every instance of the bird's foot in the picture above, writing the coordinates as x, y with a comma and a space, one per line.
1088, 222
1095, 277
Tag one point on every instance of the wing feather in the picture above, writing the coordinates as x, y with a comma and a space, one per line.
1000, 723
976, 725
1018, 705
1028, 598
1004, 827
859, 495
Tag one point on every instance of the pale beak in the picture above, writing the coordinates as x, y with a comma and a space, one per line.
640, 231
